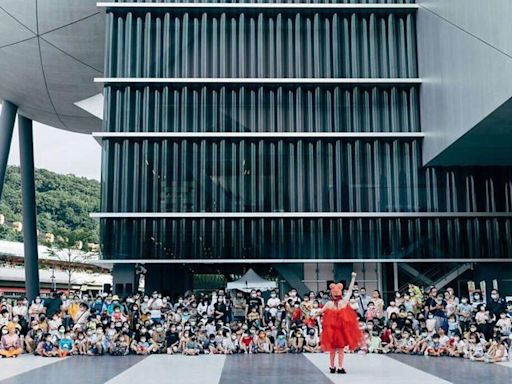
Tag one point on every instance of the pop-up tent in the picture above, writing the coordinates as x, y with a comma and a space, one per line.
251, 280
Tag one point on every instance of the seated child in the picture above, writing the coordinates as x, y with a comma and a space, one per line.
281, 345
81, 345
312, 342
374, 343
263, 344
120, 344
46, 347
172, 340
246, 343
455, 347
297, 341
434, 347
253, 317
191, 348
143, 347
10, 343
497, 352
65, 345
505, 324
475, 350
406, 343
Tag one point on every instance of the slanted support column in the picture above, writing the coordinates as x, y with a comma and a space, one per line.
28, 193
7, 117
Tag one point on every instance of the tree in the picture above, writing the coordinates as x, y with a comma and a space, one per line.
68, 247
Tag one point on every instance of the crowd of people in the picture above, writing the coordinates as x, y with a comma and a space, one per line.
415, 322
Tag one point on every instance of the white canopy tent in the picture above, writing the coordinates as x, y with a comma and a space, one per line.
251, 280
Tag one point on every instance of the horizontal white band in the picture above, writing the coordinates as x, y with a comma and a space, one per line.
201, 5
250, 135
295, 215
262, 80
296, 261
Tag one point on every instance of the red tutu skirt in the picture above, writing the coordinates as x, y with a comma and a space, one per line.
340, 328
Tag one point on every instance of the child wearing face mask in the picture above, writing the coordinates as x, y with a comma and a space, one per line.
312, 342
431, 323
227, 345
158, 339
505, 324
246, 341
66, 346
455, 346
143, 347
453, 326
281, 344
464, 311
272, 303
497, 352
191, 347
263, 343
297, 341
475, 350
81, 344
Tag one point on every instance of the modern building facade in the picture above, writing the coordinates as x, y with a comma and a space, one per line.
273, 132
310, 138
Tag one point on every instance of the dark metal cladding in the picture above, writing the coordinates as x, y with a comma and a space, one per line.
333, 174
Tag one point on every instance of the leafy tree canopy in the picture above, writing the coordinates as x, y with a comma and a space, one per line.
63, 205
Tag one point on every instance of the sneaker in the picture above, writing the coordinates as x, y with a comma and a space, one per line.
342, 370
332, 370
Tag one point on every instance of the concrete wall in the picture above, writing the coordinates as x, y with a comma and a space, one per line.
465, 60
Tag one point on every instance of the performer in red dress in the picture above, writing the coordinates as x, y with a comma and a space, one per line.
340, 325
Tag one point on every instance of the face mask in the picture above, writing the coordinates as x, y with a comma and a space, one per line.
293, 294
62, 330
273, 295
4, 331
464, 301
477, 297
38, 301
494, 296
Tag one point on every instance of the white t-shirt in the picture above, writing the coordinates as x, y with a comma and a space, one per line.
273, 302
155, 308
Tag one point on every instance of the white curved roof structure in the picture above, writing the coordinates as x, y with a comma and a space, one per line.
50, 51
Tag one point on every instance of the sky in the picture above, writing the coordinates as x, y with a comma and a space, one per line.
61, 151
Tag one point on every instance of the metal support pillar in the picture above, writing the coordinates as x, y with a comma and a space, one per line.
7, 117
28, 193
395, 276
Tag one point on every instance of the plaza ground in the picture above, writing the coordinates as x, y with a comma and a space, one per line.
245, 369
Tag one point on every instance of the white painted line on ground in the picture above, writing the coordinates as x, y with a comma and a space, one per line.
375, 369
17, 366
177, 369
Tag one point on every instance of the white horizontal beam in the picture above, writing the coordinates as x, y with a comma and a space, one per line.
257, 135
201, 5
294, 215
297, 261
262, 80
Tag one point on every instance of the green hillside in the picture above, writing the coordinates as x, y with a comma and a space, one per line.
63, 205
